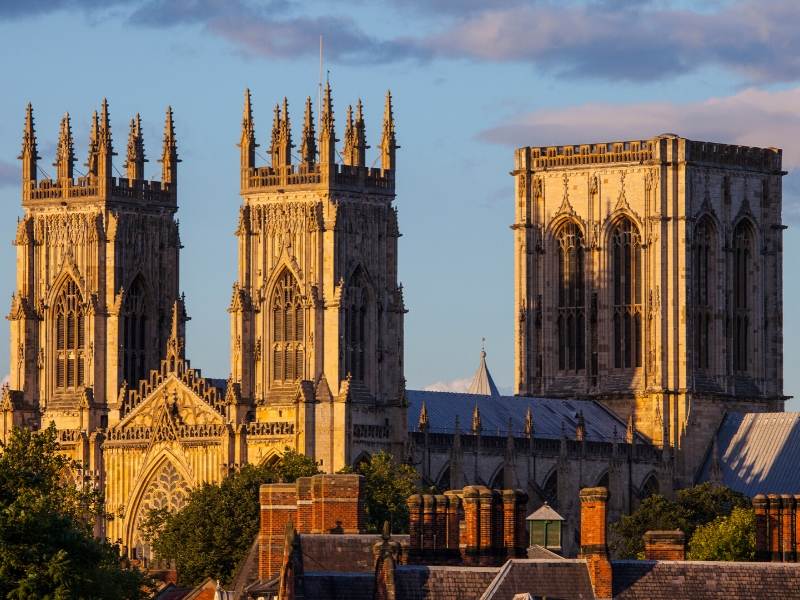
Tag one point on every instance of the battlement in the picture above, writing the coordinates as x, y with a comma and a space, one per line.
653, 150
316, 165
98, 184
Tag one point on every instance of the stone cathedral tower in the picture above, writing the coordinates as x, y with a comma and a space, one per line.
648, 276
97, 276
317, 312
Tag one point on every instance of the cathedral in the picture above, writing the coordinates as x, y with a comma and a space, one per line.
647, 305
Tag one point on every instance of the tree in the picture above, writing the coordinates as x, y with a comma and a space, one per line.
387, 486
212, 533
691, 508
726, 538
46, 545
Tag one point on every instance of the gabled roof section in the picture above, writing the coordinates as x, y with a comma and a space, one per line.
756, 453
482, 382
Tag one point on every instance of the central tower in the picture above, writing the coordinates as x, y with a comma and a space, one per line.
317, 312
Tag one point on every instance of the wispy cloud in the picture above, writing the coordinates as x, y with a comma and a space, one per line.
456, 385
9, 174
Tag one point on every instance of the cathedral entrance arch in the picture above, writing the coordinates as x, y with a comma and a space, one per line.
166, 486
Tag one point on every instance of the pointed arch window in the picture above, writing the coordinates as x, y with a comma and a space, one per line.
70, 339
355, 328
571, 318
703, 267
626, 269
288, 330
134, 333
742, 302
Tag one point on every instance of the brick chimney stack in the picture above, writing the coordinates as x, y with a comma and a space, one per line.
665, 545
594, 549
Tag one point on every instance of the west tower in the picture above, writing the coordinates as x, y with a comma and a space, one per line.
97, 275
648, 275
317, 311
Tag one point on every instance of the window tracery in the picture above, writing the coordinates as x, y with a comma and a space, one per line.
626, 247
742, 280
134, 333
288, 330
571, 318
70, 338
704, 253
355, 327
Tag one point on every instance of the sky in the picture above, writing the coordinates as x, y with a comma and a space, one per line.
471, 81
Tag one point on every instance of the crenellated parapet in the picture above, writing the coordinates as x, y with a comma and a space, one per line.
316, 166
98, 182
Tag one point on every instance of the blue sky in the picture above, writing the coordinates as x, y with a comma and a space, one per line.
471, 81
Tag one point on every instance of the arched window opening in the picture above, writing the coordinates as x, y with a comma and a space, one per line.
70, 338
288, 330
626, 268
742, 281
134, 333
355, 328
650, 487
497, 480
571, 299
704, 253
443, 483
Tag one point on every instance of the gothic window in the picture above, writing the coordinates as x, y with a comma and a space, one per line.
571, 304
649, 488
288, 330
550, 490
626, 269
134, 334
742, 281
355, 328
70, 338
703, 267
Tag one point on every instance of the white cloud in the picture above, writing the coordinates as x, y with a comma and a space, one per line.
456, 385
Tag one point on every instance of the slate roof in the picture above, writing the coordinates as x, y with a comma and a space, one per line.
544, 513
548, 415
552, 579
687, 580
758, 453
442, 583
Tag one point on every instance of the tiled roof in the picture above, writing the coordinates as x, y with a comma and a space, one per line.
542, 579
686, 580
757, 453
548, 415
544, 513
442, 583
339, 586
482, 382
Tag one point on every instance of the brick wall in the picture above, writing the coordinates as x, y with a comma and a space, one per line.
665, 545
594, 549
777, 527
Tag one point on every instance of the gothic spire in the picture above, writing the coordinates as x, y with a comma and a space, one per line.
349, 152
248, 142
65, 151
94, 145
169, 155
327, 134
630, 431
285, 148
176, 344
105, 149
529, 422
580, 427
422, 424
388, 140
308, 148
29, 154
476, 420
482, 382
135, 159
360, 136
276, 134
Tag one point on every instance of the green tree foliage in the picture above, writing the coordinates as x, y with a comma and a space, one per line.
387, 486
691, 508
211, 534
726, 538
47, 550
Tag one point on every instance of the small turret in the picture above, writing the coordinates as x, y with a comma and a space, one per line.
308, 147
388, 139
285, 137
176, 344
476, 420
529, 423
29, 154
94, 145
274, 144
169, 155
630, 431
135, 159
105, 150
248, 142
349, 151
580, 428
422, 424
327, 134
65, 152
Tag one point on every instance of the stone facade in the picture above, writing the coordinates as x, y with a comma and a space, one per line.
648, 275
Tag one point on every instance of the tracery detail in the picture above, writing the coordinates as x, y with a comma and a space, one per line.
70, 338
288, 330
626, 249
571, 298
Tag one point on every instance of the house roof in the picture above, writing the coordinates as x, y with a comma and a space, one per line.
549, 415
756, 453
544, 513
560, 578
